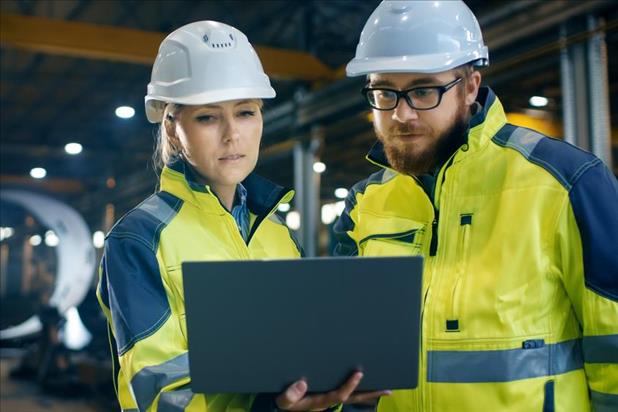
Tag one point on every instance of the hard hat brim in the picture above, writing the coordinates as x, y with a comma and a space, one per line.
430, 63
154, 108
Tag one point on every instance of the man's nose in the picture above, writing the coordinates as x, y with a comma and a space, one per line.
403, 112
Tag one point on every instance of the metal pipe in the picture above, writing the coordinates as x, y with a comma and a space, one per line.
598, 92
568, 97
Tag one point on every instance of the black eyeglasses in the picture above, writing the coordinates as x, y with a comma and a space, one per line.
419, 98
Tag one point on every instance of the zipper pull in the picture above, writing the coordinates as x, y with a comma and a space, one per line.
433, 247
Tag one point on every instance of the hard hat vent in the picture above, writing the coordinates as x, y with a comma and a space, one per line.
219, 39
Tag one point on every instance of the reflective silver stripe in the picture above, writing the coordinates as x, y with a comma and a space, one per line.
175, 401
504, 365
601, 349
148, 382
604, 402
158, 208
388, 175
525, 140
130, 410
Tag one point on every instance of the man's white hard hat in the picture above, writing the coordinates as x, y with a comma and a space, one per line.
418, 37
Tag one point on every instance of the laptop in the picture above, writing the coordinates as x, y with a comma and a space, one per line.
259, 326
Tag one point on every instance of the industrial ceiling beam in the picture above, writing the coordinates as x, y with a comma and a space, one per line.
51, 184
92, 41
543, 17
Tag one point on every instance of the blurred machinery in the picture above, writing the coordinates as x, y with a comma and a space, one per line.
47, 279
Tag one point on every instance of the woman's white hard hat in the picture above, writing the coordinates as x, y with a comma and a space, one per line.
205, 62
418, 37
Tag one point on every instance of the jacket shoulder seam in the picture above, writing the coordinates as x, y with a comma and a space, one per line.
144, 334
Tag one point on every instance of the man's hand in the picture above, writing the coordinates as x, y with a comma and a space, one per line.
294, 399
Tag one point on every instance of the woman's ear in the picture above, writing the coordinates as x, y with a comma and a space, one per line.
170, 131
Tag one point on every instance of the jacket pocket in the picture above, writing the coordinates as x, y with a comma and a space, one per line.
406, 243
177, 300
463, 255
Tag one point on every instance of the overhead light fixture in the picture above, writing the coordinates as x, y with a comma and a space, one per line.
38, 172
319, 167
35, 240
329, 214
538, 101
6, 232
51, 239
73, 148
125, 112
98, 239
341, 193
292, 220
284, 207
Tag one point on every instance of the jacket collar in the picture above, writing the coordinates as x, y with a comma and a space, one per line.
263, 195
481, 128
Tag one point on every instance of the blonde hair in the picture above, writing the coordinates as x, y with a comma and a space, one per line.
165, 149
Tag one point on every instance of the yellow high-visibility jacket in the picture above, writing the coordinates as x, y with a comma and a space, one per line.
520, 284
140, 286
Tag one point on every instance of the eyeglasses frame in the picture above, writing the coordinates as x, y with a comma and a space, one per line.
404, 93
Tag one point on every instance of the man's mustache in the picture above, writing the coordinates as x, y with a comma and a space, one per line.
405, 130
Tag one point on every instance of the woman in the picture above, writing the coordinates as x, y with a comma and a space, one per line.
206, 90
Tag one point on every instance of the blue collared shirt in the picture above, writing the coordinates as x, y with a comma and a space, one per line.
241, 212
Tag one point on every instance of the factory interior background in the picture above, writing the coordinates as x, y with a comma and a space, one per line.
76, 148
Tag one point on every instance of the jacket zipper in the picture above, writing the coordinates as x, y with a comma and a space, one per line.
433, 246
453, 322
433, 249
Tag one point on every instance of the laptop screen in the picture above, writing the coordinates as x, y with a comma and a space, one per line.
258, 326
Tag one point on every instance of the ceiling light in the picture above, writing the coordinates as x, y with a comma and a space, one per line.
341, 193
6, 232
51, 239
35, 240
319, 167
538, 101
38, 173
329, 213
125, 112
292, 220
98, 239
73, 148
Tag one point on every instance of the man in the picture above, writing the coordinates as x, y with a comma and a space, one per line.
519, 231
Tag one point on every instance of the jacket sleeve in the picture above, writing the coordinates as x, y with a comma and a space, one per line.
151, 350
587, 241
147, 322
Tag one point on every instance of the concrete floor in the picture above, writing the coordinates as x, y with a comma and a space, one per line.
18, 395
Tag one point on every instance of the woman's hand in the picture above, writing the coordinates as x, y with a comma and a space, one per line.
294, 399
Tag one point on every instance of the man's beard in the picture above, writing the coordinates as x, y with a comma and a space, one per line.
403, 157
